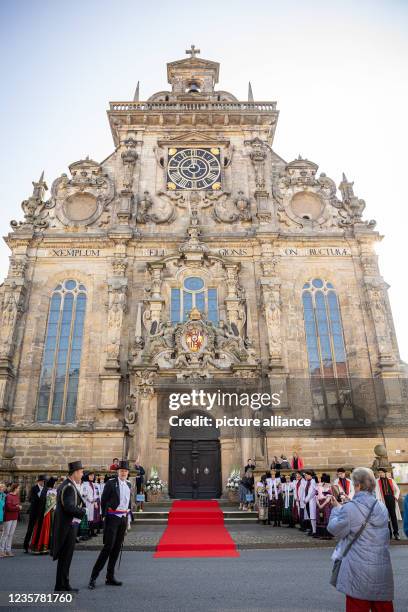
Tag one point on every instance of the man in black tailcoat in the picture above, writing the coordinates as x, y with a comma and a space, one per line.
116, 504
69, 512
33, 513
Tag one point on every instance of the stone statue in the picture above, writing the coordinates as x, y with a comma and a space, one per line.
381, 459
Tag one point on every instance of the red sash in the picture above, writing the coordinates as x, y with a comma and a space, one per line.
391, 486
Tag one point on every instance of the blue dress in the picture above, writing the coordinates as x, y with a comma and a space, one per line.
2, 503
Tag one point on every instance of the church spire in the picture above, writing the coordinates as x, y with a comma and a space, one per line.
136, 96
250, 94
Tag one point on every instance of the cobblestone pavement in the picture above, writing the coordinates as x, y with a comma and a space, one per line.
146, 537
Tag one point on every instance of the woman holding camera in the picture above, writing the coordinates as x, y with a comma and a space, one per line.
362, 569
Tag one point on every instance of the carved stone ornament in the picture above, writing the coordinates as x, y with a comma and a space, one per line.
11, 311
155, 209
81, 199
144, 382
35, 209
232, 211
196, 348
303, 199
353, 206
258, 152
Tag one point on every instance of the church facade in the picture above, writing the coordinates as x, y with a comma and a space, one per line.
194, 256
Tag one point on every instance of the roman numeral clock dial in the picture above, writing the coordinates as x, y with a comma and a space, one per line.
194, 169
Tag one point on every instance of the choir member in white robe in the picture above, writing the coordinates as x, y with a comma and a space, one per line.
310, 502
90, 494
299, 489
345, 485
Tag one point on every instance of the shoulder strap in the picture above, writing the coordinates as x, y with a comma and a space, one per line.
360, 531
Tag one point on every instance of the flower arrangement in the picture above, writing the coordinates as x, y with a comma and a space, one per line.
233, 480
154, 484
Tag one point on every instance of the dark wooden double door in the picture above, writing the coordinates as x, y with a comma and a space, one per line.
195, 469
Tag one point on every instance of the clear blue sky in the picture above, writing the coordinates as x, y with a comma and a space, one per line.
338, 71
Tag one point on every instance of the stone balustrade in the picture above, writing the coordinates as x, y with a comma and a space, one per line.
193, 106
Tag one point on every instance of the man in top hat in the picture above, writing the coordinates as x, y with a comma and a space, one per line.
34, 511
116, 504
69, 512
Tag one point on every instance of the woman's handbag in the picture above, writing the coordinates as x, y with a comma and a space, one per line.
337, 563
249, 497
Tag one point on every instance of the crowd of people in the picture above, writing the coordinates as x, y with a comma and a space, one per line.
42, 500
359, 510
305, 499
60, 512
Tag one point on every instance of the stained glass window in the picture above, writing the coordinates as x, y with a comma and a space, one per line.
57, 398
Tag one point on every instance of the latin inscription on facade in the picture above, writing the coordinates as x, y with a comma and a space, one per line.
74, 253
314, 251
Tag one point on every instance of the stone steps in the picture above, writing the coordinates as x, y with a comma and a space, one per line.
160, 516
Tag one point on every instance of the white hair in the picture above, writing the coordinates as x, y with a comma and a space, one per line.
365, 478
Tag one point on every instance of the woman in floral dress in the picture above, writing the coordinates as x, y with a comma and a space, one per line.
41, 539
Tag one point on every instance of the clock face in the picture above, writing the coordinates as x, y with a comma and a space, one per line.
194, 169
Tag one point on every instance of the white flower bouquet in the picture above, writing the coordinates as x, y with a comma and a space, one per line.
233, 480
154, 484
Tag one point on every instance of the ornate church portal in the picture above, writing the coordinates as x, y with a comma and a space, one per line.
194, 255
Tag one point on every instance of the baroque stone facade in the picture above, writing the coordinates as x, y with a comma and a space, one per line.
193, 190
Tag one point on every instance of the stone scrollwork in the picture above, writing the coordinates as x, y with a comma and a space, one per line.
226, 211
304, 200
144, 382
83, 198
154, 209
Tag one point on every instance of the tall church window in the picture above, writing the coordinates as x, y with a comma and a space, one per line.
57, 398
326, 349
193, 294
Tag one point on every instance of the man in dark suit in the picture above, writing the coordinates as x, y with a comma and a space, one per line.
34, 499
116, 504
69, 512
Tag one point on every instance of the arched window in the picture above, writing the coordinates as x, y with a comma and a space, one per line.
194, 294
57, 398
325, 343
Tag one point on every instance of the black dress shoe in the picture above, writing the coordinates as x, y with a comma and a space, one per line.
397, 536
113, 582
71, 589
92, 584
26, 551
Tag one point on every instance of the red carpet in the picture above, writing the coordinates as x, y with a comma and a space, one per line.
196, 529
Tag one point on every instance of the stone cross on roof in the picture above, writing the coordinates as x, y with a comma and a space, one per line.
193, 51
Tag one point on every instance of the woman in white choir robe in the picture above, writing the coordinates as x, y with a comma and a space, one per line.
90, 494
310, 501
299, 491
